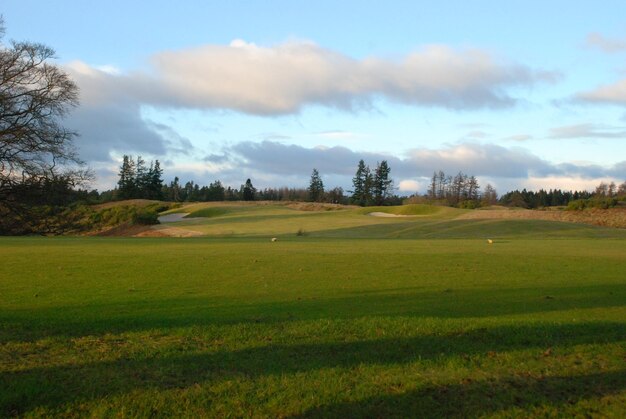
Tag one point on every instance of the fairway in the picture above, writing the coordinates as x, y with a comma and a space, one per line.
356, 316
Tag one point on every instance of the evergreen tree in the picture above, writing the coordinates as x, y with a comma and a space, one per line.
382, 184
155, 184
316, 187
248, 191
126, 183
215, 192
362, 183
141, 179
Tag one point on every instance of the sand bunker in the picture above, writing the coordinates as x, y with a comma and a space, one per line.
387, 215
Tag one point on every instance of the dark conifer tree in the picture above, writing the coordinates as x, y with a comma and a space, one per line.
316, 187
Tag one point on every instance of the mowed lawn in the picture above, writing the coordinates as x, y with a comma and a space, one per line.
384, 319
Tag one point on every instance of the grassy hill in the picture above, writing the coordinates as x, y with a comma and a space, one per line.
359, 316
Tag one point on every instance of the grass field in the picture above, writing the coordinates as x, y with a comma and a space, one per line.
360, 316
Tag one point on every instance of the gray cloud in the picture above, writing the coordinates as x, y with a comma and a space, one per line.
281, 159
109, 119
486, 160
596, 40
272, 164
586, 131
104, 129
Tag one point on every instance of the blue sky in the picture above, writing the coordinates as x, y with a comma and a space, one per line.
520, 94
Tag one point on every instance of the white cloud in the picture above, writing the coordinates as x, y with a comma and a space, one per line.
408, 186
285, 78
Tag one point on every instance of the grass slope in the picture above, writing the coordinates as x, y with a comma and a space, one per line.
356, 319
220, 220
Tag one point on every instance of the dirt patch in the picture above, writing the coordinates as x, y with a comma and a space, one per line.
123, 230
614, 217
167, 231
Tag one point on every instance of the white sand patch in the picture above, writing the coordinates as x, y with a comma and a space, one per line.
387, 215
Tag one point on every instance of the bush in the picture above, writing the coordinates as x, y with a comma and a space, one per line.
601, 203
145, 217
469, 204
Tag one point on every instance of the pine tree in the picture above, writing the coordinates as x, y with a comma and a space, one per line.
382, 184
362, 185
155, 185
126, 183
248, 191
316, 187
141, 179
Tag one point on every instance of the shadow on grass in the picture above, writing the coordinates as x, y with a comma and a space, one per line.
473, 399
147, 314
57, 385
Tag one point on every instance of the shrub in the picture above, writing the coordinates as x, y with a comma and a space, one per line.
581, 204
145, 217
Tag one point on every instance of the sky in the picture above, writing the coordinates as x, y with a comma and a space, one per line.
521, 94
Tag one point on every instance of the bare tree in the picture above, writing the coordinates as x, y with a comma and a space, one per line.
35, 96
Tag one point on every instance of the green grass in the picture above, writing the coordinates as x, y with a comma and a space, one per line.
361, 317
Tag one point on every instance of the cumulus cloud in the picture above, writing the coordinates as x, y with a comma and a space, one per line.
285, 78
586, 131
596, 40
276, 80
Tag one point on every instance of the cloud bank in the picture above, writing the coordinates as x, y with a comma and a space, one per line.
491, 161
